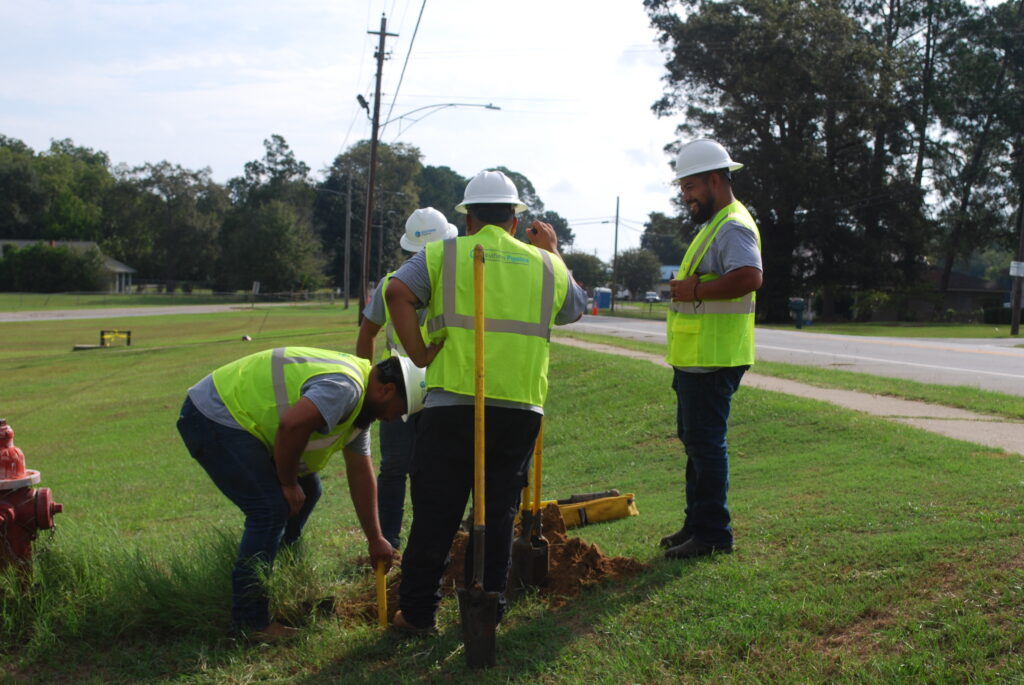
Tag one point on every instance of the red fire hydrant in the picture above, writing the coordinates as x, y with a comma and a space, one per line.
24, 510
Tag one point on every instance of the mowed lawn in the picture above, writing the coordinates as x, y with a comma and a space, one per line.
865, 551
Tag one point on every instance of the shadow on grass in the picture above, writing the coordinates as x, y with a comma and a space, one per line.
530, 640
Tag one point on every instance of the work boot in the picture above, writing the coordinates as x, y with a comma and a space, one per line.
274, 632
695, 548
401, 625
676, 538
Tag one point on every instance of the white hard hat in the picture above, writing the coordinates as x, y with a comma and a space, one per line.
425, 226
491, 188
702, 155
415, 386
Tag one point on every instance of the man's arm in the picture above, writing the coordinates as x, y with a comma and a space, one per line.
736, 283
297, 424
365, 341
362, 486
402, 306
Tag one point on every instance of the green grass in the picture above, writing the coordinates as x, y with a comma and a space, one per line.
960, 396
891, 329
21, 302
866, 551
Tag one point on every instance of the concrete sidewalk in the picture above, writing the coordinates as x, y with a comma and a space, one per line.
991, 431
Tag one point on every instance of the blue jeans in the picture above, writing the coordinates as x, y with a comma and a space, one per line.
242, 468
396, 445
703, 401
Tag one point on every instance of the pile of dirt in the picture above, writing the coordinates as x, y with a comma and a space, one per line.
574, 565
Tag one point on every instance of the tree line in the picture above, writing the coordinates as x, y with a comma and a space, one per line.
274, 223
883, 138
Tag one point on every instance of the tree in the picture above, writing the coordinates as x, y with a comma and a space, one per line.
638, 270
42, 268
588, 270
166, 220
75, 180
396, 196
811, 119
268, 235
442, 189
23, 200
270, 243
663, 236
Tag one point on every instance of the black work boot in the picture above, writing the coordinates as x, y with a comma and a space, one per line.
676, 538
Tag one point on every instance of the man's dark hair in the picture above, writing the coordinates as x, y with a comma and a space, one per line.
390, 371
724, 173
492, 213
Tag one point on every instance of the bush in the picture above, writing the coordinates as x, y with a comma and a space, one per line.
40, 268
997, 315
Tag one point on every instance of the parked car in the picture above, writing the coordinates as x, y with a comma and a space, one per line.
651, 296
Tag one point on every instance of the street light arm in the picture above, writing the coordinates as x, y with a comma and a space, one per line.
438, 108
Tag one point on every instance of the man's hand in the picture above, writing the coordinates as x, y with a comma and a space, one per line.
381, 550
543, 235
684, 290
294, 496
431, 352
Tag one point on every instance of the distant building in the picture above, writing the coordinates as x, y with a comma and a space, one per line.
119, 275
668, 272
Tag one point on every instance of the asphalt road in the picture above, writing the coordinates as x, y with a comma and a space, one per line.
996, 365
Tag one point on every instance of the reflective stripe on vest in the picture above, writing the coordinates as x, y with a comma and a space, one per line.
451, 318
712, 332
525, 288
258, 396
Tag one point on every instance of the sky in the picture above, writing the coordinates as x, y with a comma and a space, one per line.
202, 84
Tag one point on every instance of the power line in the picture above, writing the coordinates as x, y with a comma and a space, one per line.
406, 62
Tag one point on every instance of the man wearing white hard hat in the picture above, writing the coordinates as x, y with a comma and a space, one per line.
263, 426
710, 339
528, 290
423, 226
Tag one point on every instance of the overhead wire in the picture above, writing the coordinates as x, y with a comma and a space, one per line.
405, 64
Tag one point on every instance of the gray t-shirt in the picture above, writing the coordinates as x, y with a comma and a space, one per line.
734, 247
334, 394
416, 277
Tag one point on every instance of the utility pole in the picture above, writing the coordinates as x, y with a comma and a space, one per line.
1015, 302
348, 233
365, 276
615, 255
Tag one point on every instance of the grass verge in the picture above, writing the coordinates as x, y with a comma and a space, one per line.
960, 396
866, 551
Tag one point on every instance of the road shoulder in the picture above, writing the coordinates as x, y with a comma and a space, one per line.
991, 431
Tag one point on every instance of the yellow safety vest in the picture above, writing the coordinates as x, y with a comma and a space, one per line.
525, 289
392, 345
712, 332
259, 388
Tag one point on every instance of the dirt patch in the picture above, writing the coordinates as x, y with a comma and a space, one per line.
574, 565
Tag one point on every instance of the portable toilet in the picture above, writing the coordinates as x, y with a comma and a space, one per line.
603, 298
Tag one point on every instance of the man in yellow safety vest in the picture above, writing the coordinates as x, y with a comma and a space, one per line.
528, 290
264, 425
710, 340
423, 226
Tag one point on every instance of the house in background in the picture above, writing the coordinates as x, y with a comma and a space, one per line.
668, 272
118, 274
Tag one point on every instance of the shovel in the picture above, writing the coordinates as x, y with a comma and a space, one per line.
478, 608
530, 554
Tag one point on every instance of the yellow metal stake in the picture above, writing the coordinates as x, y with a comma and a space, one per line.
382, 595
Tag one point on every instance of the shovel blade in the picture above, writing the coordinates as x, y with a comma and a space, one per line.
479, 611
530, 562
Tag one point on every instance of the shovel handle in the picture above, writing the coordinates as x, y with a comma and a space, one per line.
538, 457
382, 595
478, 398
